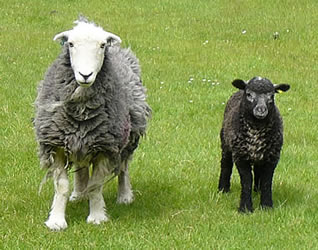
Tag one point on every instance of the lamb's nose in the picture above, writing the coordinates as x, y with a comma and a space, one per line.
261, 109
86, 76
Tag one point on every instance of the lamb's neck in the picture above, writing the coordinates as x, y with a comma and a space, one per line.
255, 123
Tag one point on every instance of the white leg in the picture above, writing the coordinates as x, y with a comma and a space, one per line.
80, 183
97, 208
125, 194
56, 220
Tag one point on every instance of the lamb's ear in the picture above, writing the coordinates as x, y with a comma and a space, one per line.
112, 39
283, 87
62, 37
238, 83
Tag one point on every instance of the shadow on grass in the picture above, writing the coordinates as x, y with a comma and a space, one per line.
152, 199
162, 198
284, 195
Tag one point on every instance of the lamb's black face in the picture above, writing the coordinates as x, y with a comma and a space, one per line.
259, 94
259, 103
258, 99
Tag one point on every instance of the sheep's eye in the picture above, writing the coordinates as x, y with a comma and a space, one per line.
270, 97
249, 96
71, 45
102, 46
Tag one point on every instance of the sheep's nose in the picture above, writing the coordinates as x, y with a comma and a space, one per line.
86, 76
261, 109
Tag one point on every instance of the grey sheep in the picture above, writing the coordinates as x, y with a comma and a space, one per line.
252, 136
91, 111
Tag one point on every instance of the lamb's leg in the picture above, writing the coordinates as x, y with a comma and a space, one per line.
257, 180
226, 171
56, 220
245, 172
266, 185
97, 209
80, 182
125, 194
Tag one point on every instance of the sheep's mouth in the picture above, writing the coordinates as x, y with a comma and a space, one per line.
85, 84
260, 116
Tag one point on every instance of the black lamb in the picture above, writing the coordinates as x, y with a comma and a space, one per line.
252, 137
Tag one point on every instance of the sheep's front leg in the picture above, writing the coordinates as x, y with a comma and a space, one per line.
56, 220
125, 194
246, 177
80, 183
97, 209
226, 171
266, 185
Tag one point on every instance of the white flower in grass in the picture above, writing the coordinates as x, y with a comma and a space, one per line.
243, 31
190, 80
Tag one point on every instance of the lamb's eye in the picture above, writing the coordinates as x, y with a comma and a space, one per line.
270, 97
249, 96
71, 45
102, 46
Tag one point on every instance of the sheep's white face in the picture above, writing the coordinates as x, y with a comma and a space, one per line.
86, 43
87, 58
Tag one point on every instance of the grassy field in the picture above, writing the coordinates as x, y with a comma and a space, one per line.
190, 51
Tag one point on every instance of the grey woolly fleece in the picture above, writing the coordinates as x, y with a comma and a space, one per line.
107, 117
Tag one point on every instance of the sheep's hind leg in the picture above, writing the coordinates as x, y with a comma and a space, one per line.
81, 176
125, 194
226, 172
56, 220
97, 207
246, 177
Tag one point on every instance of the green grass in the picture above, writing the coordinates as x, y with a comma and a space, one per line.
175, 171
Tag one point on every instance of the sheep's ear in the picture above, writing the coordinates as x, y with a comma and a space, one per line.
283, 87
112, 39
238, 83
62, 37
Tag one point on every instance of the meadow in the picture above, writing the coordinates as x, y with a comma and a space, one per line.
189, 51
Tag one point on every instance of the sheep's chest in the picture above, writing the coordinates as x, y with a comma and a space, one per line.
255, 143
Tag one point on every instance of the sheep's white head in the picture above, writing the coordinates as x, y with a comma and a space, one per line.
86, 43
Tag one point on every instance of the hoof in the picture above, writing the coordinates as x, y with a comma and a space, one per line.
56, 223
126, 198
97, 218
245, 210
266, 206
224, 190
